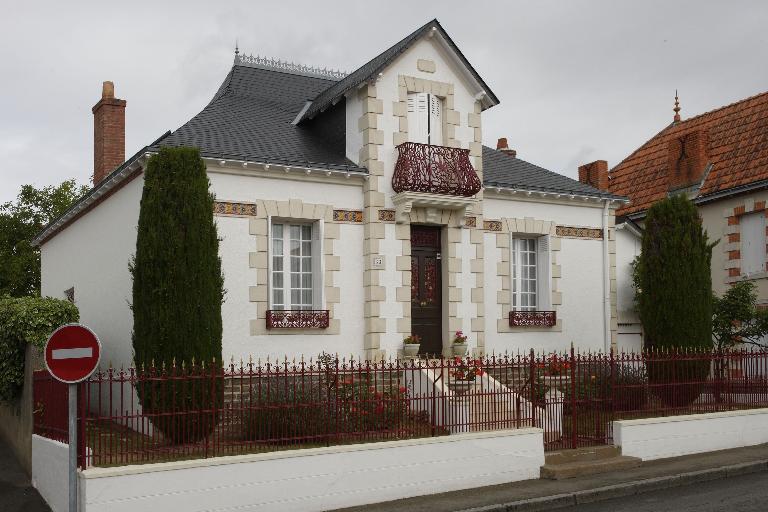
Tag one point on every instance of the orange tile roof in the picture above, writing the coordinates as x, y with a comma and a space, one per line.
737, 150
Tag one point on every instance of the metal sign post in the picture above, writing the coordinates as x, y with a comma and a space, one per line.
72, 353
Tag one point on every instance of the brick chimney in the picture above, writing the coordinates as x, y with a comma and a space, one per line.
502, 146
687, 159
108, 133
595, 174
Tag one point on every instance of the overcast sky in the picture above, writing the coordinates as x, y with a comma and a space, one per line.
578, 80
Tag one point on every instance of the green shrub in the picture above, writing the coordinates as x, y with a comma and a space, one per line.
674, 295
178, 290
23, 321
623, 390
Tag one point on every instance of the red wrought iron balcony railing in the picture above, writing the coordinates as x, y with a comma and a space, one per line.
298, 319
434, 169
532, 318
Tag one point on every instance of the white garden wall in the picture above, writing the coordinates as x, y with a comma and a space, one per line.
50, 460
673, 436
318, 479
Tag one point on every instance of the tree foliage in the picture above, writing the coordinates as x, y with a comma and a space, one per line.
26, 321
674, 292
736, 318
177, 285
20, 221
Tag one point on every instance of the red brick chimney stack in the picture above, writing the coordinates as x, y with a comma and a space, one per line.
108, 133
595, 174
502, 146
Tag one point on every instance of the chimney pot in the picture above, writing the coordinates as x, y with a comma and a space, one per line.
503, 146
108, 133
595, 174
107, 90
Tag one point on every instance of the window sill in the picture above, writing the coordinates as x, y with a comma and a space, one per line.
747, 277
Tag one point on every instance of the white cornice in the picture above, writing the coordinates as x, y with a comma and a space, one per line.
540, 196
281, 171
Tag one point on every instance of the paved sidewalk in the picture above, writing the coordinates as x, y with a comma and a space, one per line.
16, 491
550, 494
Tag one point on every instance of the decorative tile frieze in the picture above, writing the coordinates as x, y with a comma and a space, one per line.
471, 222
579, 232
492, 225
234, 209
348, 215
387, 215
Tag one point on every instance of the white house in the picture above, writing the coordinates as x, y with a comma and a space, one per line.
364, 201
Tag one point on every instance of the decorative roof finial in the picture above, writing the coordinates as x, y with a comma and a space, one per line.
237, 49
677, 108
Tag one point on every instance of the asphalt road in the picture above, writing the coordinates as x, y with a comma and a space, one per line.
16, 492
748, 493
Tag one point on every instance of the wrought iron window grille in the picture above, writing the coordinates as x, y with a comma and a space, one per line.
532, 318
298, 319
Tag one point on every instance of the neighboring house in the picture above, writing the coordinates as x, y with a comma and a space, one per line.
720, 160
354, 210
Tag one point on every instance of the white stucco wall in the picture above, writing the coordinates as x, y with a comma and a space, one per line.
581, 281
92, 254
320, 478
50, 472
674, 436
236, 244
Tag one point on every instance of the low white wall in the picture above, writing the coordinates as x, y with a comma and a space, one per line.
49, 472
319, 478
673, 436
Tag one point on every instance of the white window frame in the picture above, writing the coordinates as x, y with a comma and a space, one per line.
542, 287
316, 265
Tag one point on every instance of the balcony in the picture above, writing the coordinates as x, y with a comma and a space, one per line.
298, 319
434, 170
433, 177
532, 318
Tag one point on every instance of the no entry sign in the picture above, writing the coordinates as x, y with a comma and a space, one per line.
72, 353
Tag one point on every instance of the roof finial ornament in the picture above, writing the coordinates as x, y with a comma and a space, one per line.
677, 108
237, 48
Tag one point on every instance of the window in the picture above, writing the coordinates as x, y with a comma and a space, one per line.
425, 118
752, 243
295, 266
530, 274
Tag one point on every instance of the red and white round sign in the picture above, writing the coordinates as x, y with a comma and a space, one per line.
72, 353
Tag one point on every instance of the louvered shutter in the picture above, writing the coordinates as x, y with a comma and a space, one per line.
544, 271
417, 117
435, 120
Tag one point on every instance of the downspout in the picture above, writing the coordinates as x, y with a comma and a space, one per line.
606, 282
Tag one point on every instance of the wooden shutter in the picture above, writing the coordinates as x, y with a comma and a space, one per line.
544, 272
752, 243
417, 117
435, 120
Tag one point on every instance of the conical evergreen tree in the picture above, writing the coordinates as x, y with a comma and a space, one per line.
674, 286
178, 290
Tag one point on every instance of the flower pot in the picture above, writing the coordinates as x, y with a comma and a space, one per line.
411, 349
461, 387
459, 349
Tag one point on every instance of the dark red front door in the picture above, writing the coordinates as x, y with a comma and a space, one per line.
426, 289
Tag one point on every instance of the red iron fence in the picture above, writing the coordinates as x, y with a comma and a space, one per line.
195, 411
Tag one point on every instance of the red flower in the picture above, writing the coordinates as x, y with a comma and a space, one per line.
402, 389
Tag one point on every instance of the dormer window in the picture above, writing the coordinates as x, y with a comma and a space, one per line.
425, 118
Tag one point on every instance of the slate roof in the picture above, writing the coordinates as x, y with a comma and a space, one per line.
501, 170
373, 67
250, 118
737, 151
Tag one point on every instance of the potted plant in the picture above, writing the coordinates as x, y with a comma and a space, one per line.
411, 345
463, 374
459, 344
556, 371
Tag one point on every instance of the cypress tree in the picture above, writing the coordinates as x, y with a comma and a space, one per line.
674, 285
178, 292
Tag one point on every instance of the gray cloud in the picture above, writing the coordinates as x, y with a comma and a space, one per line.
578, 81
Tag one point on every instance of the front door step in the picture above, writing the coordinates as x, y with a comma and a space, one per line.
585, 461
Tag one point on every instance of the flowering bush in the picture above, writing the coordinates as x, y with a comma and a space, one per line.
555, 365
459, 337
413, 339
466, 369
